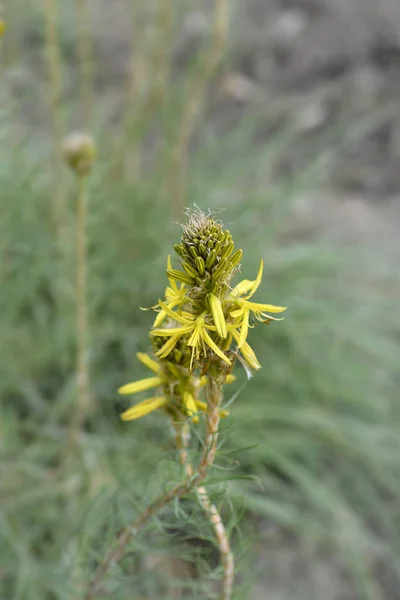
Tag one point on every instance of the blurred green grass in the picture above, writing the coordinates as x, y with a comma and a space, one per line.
320, 421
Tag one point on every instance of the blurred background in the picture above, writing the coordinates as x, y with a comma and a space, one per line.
286, 114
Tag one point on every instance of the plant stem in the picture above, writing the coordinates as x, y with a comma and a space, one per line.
82, 335
182, 489
227, 560
215, 519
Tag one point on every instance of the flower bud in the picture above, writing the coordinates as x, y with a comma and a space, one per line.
79, 152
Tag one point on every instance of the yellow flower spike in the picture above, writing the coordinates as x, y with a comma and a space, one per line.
140, 386
149, 362
143, 408
190, 406
218, 315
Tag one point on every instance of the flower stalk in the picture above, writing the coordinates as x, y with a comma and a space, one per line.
79, 153
200, 328
192, 481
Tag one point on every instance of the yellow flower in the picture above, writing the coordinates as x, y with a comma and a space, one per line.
240, 296
174, 296
196, 326
190, 404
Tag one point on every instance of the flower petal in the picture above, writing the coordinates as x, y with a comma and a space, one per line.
159, 318
236, 314
244, 330
168, 309
168, 346
243, 287
143, 408
215, 348
171, 280
190, 406
257, 281
149, 362
267, 307
248, 353
172, 331
195, 337
140, 386
218, 315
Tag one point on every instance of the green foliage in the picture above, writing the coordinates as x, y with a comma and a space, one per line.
318, 425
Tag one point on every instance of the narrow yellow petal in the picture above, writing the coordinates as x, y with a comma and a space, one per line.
168, 346
168, 309
248, 353
143, 408
257, 280
172, 331
188, 315
250, 356
244, 328
140, 386
264, 307
218, 315
243, 287
170, 279
215, 348
236, 314
198, 326
190, 406
149, 362
159, 318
